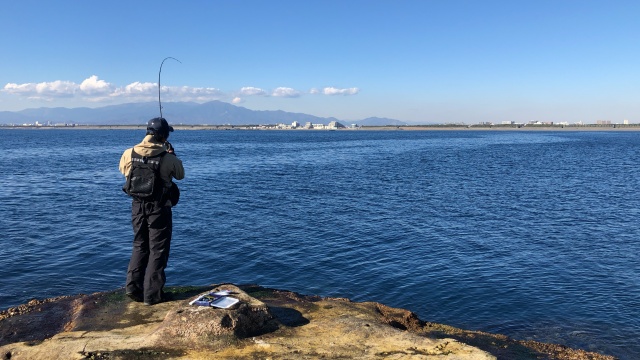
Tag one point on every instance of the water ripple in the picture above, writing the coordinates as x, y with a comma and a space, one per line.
528, 234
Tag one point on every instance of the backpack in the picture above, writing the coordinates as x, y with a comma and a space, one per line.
143, 181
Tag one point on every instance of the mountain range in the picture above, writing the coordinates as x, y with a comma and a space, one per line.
188, 113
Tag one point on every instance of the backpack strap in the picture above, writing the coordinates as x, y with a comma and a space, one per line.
145, 159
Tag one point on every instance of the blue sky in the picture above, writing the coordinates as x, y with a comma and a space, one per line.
416, 61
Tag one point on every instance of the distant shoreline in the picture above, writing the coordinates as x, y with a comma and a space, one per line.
616, 127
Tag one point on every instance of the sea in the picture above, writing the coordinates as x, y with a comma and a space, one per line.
531, 234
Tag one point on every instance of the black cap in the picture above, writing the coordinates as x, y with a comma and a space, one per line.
159, 126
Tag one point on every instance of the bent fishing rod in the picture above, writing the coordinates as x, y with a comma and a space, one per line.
159, 73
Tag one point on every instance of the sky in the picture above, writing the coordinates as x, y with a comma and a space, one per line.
419, 61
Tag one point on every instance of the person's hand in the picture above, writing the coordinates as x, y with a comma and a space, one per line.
169, 147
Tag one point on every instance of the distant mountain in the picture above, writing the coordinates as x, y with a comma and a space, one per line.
189, 113
376, 121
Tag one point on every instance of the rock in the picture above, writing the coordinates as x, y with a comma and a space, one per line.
265, 324
188, 326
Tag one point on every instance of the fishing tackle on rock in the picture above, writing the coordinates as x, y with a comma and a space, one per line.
160, 72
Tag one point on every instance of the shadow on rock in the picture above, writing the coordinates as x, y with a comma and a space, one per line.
288, 317
137, 354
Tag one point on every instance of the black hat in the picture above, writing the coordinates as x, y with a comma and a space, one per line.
159, 126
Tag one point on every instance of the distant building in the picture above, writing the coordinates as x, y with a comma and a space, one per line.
603, 122
295, 125
537, 122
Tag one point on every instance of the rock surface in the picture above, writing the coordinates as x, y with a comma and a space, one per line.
265, 324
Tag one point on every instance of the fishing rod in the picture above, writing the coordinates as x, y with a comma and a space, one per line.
160, 72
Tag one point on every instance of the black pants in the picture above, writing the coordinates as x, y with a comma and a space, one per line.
152, 226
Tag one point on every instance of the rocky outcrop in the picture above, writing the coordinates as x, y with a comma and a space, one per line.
265, 324
197, 327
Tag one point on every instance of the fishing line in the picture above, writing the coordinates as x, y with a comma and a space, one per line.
160, 72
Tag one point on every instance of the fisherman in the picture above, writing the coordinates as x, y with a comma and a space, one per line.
149, 168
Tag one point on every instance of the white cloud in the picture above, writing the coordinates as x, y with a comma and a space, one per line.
335, 91
12, 88
186, 93
43, 90
285, 92
138, 88
149, 91
57, 88
136, 91
250, 90
94, 89
94, 86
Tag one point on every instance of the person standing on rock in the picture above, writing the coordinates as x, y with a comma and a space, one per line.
149, 168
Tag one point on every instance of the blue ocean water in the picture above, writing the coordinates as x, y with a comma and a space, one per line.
529, 234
